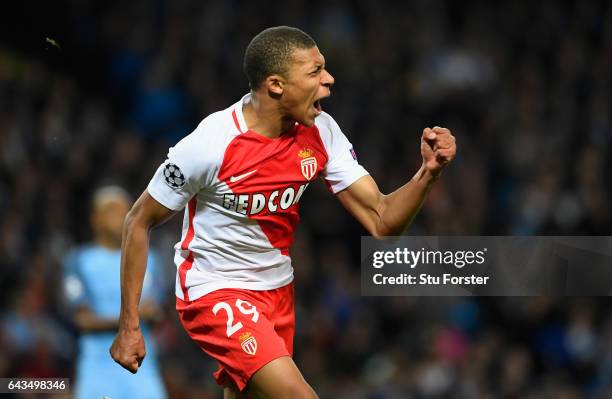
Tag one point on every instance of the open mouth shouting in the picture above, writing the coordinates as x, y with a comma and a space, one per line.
317, 107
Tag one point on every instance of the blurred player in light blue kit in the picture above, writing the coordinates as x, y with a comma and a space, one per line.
91, 287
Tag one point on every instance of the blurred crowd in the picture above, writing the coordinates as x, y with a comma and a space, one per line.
95, 92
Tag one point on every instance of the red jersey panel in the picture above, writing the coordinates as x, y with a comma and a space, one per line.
268, 176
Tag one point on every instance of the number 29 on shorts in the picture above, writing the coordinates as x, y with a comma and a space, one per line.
243, 306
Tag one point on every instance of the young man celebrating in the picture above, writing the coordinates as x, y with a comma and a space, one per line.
241, 174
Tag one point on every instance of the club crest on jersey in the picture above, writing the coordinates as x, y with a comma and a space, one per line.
308, 163
248, 343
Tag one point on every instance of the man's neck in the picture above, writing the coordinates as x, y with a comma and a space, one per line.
107, 241
263, 117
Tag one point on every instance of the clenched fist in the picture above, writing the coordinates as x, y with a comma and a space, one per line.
128, 349
437, 149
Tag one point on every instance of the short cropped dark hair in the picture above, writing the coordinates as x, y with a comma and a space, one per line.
270, 51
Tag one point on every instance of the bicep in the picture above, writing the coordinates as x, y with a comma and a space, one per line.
363, 200
149, 212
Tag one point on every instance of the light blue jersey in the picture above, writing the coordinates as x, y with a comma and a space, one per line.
91, 277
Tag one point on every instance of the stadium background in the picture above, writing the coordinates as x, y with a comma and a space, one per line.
525, 86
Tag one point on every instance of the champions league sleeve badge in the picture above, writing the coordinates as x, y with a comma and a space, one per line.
173, 175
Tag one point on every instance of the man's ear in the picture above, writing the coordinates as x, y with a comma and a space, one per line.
275, 84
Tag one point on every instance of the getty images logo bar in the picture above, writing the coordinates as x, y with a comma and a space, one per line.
487, 266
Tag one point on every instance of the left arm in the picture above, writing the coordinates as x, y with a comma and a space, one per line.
387, 215
88, 321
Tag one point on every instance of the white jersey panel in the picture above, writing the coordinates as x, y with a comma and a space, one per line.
230, 251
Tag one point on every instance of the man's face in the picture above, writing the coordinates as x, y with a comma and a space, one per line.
108, 218
306, 83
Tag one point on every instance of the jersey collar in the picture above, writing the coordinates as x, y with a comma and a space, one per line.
238, 116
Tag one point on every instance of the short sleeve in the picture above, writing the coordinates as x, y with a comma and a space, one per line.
183, 174
73, 285
342, 168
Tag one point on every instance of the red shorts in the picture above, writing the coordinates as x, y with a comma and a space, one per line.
242, 329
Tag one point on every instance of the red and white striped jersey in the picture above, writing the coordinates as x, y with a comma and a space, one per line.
241, 191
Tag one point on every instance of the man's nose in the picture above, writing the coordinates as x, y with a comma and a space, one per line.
327, 79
